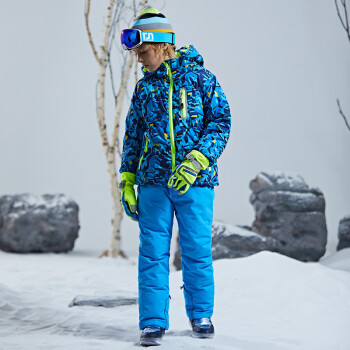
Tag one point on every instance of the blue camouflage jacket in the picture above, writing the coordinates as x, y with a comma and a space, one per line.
178, 108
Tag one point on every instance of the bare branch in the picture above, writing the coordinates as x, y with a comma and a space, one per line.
346, 12
343, 115
339, 15
345, 23
346, 19
121, 93
87, 11
101, 81
161, 7
105, 47
120, 99
111, 76
143, 3
116, 18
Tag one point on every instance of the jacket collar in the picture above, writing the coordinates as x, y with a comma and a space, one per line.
161, 71
186, 55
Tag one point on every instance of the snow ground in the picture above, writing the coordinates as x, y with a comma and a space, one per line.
263, 302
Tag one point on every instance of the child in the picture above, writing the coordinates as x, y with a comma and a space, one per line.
177, 126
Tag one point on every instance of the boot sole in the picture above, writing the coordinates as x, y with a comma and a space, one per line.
150, 342
203, 335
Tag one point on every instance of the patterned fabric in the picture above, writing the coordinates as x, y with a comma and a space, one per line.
151, 20
201, 121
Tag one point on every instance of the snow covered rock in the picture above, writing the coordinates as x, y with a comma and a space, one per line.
230, 242
291, 214
104, 301
47, 223
344, 233
290, 220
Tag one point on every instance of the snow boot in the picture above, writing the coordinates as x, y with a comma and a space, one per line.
202, 328
152, 335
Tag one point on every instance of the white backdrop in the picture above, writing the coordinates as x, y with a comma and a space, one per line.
282, 65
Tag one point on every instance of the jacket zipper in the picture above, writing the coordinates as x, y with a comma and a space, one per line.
144, 151
171, 125
183, 101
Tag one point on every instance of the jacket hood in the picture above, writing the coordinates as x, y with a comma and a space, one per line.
186, 56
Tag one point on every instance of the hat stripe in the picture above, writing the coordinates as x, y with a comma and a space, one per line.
150, 20
148, 15
151, 27
159, 30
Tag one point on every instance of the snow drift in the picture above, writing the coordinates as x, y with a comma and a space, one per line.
265, 301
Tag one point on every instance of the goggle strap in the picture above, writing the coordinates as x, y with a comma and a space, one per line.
156, 37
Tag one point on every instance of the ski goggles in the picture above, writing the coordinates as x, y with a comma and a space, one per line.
133, 38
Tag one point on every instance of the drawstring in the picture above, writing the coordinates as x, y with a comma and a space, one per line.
185, 290
165, 311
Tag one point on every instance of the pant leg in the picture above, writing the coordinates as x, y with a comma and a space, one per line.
155, 221
194, 212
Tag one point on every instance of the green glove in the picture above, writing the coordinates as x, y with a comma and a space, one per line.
128, 198
186, 173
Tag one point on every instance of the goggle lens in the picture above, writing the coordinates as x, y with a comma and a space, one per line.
130, 38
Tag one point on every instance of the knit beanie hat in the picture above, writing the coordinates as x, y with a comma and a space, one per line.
151, 20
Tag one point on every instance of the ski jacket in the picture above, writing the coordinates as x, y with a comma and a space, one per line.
175, 109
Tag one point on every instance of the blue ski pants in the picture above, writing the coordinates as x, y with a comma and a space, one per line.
194, 213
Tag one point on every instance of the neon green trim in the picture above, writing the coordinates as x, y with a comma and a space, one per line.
144, 151
183, 99
148, 9
171, 125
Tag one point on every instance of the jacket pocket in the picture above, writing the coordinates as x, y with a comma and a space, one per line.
183, 103
144, 152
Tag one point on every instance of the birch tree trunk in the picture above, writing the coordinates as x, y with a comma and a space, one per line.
110, 148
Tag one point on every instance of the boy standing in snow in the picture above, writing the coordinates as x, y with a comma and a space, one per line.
177, 126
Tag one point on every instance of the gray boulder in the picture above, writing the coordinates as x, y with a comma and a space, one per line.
230, 242
291, 214
47, 223
290, 220
344, 233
